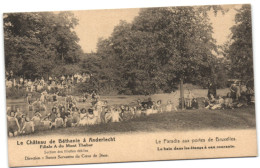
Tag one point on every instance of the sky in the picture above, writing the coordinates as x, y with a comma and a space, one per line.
95, 24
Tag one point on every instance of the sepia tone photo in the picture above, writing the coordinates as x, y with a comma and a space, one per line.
164, 83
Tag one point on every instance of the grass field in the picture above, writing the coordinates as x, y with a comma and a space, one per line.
200, 119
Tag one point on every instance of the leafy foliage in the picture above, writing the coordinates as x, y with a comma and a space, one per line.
239, 51
35, 43
161, 46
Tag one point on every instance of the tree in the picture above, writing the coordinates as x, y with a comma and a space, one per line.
160, 47
35, 43
239, 52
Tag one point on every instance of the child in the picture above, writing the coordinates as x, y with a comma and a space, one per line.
28, 127
108, 115
37, 121
29, 98
138, 111
103, 114
46, 123
52, 116
58, 121
74, 108
54, 97
149, 111
194, 104
75, 118
189, 98
22, 121
19, 116
84, 98
83, 117
92, 119
169, 106
83, 113
159, 107
69, 120
115, 117
63, 113
13, 125
127, 115
97, 113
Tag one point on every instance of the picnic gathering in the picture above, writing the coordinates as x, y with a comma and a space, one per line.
51, 111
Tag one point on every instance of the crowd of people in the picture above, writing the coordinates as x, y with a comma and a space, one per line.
73, 112
239, 95
51, 111
39, 84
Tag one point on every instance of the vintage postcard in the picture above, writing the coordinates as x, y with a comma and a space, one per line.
123, 85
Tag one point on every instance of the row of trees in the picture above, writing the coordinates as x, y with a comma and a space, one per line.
153, 53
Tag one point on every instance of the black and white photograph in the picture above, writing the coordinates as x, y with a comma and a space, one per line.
88, 77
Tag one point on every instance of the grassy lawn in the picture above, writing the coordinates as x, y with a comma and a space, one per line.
203, 119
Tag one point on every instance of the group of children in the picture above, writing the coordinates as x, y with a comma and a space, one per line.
227, 102
50, 83
71, 113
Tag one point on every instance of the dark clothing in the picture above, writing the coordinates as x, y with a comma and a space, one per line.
63, 115
212, 89
147, 104
53, 116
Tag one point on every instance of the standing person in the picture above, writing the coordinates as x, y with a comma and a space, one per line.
233, 90
43, 97
30, 86
103, 114
169, 106
249, 94
190, 96
21, 81
94, 97
212, 89
75, 117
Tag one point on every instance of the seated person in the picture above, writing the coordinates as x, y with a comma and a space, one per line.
59, 121
28, 127
194, 103
13, 125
